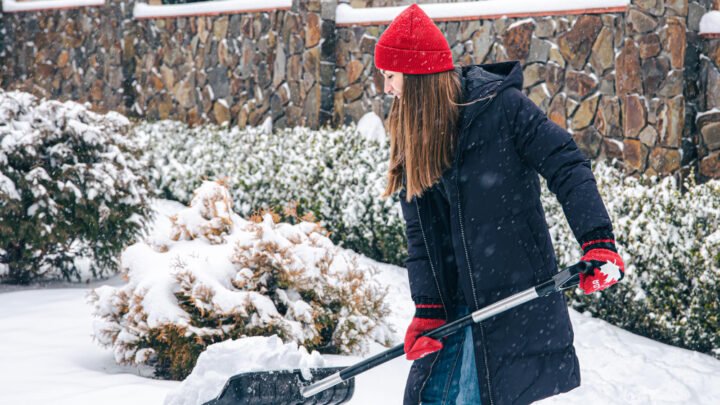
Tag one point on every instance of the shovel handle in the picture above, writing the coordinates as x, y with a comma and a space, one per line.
563, 280
568, 278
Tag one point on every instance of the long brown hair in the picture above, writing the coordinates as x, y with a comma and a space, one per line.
423, 131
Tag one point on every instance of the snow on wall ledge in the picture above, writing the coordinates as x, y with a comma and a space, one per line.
710, 24
12, 6
143, 10
490, 9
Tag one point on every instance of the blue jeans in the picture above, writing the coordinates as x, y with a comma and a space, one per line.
453, 379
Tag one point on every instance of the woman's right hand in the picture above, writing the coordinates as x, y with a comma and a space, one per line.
427, 317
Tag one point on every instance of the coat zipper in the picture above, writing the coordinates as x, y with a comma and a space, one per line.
467, 255
472, 285
457, 186
487, 368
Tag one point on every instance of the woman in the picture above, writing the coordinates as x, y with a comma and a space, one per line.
466, 149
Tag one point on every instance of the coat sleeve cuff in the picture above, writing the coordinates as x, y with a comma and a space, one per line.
428, 308
601, 238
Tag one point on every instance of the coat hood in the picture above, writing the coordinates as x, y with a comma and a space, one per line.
479, 81
480, 84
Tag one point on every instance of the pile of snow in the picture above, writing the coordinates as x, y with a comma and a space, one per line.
371, 127
221, 361
207, 275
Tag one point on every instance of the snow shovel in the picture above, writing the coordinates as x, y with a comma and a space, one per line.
289, 387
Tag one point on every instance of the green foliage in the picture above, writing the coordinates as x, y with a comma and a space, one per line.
72, 192
670, 243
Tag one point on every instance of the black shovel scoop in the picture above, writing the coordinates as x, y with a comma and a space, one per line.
289, 387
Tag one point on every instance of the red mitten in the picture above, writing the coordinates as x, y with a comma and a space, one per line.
608, 267
427, 317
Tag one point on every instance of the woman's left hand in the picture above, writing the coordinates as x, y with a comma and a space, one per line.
608, 266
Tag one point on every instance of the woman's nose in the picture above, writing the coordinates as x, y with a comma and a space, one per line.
388, 87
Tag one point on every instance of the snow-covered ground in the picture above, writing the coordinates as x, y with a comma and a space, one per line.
47, 356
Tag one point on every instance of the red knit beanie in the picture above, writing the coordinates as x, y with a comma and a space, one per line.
413, 44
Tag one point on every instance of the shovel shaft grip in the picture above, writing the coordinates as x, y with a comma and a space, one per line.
351, 371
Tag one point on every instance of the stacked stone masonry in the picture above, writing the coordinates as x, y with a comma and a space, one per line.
239, 68
704, 87
641, 86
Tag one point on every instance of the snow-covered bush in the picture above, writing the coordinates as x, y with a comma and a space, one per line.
72, 191
210, 219
254, 277
666, 237
670, 242
337, 175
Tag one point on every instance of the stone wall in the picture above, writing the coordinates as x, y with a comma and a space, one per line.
239, 68
650, 87
626, 85
3, 35
705, 88
66, 54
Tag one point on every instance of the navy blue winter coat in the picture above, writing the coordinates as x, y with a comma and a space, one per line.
482, 227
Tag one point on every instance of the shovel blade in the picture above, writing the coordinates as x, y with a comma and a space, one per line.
281, 387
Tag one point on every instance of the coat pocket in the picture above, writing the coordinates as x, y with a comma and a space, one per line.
528, 238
